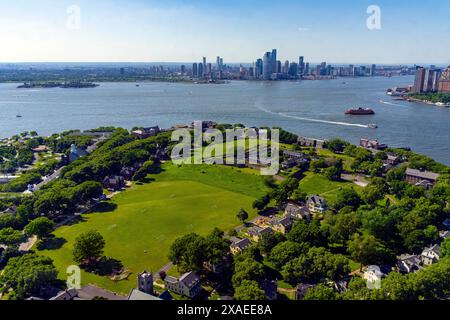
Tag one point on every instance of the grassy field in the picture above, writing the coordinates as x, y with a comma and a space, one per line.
149, 217
320, 185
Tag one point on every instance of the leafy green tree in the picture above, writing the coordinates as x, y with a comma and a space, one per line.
269, 241
40, 227
262, 203
358, 290
149, 167
380, 223
367, 250
253, 252
298, 196
321, 293
431, 233
28, 274
287, 251
445, 248
247, 269
10, 237
316, 265
347, 198
88, 247
336, 145
249, 290
190, 252
398, 287
217, 246
310, 232
343, 225
242, 215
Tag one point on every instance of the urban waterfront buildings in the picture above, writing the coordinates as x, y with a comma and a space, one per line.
432, 80
269, 67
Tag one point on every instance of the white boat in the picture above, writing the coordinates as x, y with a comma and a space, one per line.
372, 126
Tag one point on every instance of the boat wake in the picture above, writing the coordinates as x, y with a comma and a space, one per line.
391, 104
313, 120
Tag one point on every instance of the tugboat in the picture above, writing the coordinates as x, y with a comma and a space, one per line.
360, 112
18, 115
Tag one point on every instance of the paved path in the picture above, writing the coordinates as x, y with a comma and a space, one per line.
165, 269
55, 175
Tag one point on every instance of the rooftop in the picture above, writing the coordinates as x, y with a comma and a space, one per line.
422, 174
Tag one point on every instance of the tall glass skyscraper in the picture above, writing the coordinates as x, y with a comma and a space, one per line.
267, 66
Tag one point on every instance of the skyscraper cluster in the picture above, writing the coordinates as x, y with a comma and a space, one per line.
270, 68
206, 70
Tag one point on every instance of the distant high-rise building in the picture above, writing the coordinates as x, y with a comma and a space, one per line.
373, 70
427, 80
293, 69
286, 67
419, 80
122, 71
307, 69
323, 68
183, 70
200, 73
278, 66
259, 69
209, 69
251, 72
194, 70
444, 81
204, 66
273, 61
301, 65
267, 66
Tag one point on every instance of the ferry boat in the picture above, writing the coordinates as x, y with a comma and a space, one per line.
360, 111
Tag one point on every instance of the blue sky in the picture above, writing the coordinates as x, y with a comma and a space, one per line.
183, 31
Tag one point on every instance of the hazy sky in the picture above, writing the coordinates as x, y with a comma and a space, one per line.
412, 31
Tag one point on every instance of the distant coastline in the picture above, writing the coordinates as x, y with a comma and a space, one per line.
64, 85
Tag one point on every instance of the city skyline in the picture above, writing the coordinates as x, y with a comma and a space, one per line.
184, 31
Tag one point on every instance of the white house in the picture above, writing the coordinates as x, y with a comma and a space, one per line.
430, 255
188, 285
373, 275
317, 204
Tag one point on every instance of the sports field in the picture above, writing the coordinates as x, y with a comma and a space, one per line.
150, 216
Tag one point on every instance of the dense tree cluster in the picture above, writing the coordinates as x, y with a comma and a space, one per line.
191, 251
27, 275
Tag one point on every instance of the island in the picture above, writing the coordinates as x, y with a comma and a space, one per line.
110, 203
64, 85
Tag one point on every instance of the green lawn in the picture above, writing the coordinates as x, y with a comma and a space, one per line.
320, 185
149, 217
